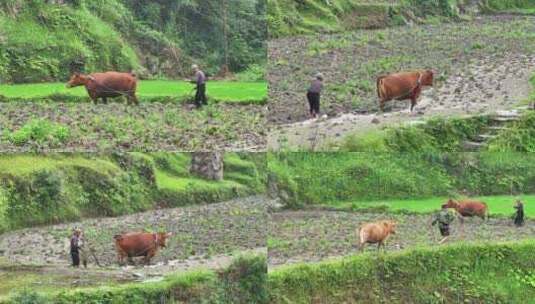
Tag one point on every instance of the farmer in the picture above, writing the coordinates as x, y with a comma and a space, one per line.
518, 217
444, 218
77, 248
200, 82
313, 95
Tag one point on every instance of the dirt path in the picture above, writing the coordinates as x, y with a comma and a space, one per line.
311, 236
478, 71
202, 236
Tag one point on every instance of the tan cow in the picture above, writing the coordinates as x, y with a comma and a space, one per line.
403, 85
375, 233
136, 244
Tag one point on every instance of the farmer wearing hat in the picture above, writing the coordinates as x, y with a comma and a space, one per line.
200, 82
77, 248
313, 95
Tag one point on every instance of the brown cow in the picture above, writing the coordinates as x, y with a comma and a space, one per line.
468, 208
376, 233
138, 244
403, 85
108, 84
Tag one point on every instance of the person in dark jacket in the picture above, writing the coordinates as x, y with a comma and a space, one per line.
200, 82
314, 94
76, 242
519, 214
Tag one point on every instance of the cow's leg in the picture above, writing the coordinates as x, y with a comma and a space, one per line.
413, 103
105, 100
134, 98
382, 105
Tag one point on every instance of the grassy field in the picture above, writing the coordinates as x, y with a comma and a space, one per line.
148, 90
500, 205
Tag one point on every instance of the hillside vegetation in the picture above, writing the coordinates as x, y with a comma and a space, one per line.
286, 18
38, 190
481, 273
48, 40
327, 178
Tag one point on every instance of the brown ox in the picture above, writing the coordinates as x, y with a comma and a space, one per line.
108, 84
376, 233
402, 86
138, 244
467, 208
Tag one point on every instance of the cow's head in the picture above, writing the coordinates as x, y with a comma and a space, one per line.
162, 238
78, 79
427, 78
390, 226
450, 204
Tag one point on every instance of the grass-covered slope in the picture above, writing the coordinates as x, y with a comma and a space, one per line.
484, 273
38, 189
330, 178
40, 42
43, 41
286, 17
244, 281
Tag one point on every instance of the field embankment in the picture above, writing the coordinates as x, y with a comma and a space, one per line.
38, 190
243, 281
303, 179
481, 273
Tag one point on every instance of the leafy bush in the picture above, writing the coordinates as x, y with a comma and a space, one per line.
40, 131
253, 73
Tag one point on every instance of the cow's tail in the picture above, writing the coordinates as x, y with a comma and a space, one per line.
360, 239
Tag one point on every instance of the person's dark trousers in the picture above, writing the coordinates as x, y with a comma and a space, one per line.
314, 103
200, 96
75, 255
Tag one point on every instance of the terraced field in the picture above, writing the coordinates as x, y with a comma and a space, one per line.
312, 236
48, 117
204, 237
480, 66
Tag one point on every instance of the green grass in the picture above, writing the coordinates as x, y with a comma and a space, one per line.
460, 273
501, 205
148, 90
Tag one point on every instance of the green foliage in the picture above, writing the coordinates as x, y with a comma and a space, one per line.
481, 273
39, 131
40, 41
520, 136
328, 178
253, 73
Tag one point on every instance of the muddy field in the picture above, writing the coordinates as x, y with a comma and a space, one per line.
203, 236
147, 127
481, 66
309, 236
